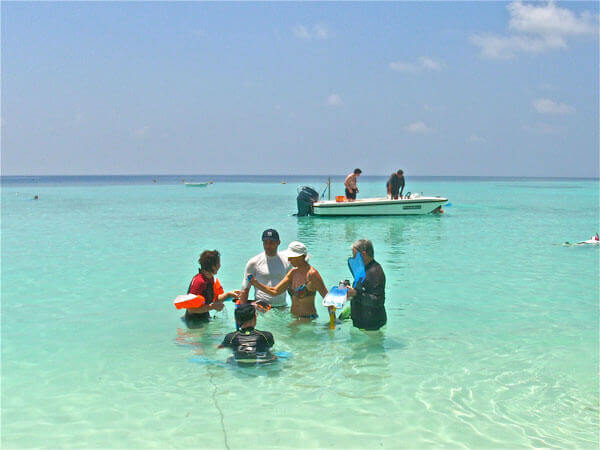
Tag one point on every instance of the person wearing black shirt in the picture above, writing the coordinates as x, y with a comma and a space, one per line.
248, 344
368, 297
395, 184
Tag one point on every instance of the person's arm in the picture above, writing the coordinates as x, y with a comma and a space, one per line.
218, 306
401, 186
227, 295
227, 340
275, 290
373, 289
269, 339
314, 282
250, 270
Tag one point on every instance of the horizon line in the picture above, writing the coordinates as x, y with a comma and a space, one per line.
291, 175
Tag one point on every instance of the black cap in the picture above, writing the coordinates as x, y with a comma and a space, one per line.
270, 234
244, 313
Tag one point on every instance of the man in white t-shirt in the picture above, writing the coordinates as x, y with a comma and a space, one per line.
269, 268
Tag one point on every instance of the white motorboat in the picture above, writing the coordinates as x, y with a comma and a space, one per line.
416, 204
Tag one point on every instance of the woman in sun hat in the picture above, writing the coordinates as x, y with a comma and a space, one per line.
302, 282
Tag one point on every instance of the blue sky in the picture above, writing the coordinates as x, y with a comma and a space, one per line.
434, 88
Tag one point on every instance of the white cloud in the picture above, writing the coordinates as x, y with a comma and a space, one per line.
501, 47
535, 29
418, 127
423, 63
431, 108
541, 128
400, 66
548, 20
334, 100
429, 63
474, 139
318, 31
547, 106
141, 133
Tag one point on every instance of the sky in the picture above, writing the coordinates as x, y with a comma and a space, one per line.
434, 88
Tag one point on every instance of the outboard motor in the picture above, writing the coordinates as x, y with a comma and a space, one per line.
306, 197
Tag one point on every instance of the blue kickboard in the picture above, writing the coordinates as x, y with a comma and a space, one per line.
357, 267
336, 297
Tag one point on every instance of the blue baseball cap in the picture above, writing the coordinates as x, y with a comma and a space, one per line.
270, 234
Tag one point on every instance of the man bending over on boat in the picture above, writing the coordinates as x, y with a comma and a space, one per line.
395, 185
269, 267
350, 184
368, 297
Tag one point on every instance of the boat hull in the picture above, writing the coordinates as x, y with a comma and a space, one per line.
379, 207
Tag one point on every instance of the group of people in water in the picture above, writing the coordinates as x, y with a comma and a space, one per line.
394, 185
272, 274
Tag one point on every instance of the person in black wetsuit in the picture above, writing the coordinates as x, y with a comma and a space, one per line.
248, 344
368, 297
395, 184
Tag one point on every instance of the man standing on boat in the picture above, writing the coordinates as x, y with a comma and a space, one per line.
350, 184
395, 184
269, 268
367, 298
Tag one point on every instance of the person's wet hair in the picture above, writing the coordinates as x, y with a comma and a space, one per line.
364, 245
245, 313
357, 171
209, 259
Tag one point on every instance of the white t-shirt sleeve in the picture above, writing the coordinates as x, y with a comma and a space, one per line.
250, 270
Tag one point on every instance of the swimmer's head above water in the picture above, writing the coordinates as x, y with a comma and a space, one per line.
245, 315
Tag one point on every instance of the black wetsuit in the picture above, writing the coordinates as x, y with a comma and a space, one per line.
395, 183
367, 306
250, 345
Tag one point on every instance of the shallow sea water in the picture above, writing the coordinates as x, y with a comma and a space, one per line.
491, 341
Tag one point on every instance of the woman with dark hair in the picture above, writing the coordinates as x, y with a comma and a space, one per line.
206, 285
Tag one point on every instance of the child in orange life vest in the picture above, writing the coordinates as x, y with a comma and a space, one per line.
204, 284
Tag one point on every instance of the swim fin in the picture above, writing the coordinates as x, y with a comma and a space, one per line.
357, 267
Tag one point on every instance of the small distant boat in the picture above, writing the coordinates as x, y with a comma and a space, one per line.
203, 184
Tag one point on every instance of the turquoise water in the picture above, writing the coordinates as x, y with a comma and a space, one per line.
492, 334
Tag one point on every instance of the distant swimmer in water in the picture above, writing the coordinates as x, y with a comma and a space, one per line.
594, 240
249, 345
35, 197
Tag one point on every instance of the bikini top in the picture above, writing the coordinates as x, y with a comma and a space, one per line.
298, 286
